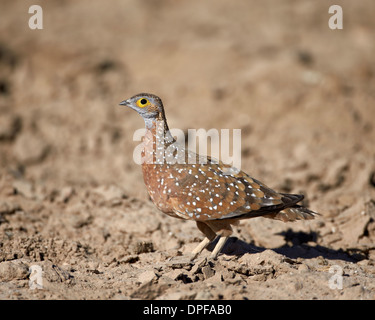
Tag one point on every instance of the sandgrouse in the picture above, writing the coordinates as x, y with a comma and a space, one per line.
201, 188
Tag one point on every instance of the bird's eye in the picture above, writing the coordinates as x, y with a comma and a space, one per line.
143, 102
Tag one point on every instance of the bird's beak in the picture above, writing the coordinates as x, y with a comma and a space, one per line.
123, 103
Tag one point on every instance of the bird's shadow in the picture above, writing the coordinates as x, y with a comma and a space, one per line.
298, 245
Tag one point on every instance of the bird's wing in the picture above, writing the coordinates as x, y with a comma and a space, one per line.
209, 192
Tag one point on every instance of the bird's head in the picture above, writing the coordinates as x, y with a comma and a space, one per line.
149, 106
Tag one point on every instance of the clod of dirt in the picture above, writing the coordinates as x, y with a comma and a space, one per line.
258, 266
303, 268
173, 274
8, 207
180, 263
208, 272
147, 276
143, 247
198, 265
129, 259
13, 270
78, 215
149, 290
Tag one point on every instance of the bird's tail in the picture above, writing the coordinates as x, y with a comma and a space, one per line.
293, 213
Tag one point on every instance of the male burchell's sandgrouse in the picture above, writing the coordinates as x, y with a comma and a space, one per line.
200, 188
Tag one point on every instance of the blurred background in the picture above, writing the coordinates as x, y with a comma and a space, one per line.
302, 94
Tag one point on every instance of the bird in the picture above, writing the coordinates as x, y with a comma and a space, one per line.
201, 188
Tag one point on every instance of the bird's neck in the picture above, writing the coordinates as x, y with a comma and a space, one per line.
156, 140
157, 124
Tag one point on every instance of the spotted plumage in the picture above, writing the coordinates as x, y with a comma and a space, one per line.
188, 186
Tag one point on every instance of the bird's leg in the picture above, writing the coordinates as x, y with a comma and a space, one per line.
223, 229
210, 235
198, 249
220, 244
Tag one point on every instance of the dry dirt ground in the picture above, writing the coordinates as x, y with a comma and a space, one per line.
72, 200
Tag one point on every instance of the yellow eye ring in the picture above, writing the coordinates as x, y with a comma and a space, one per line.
143, 102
